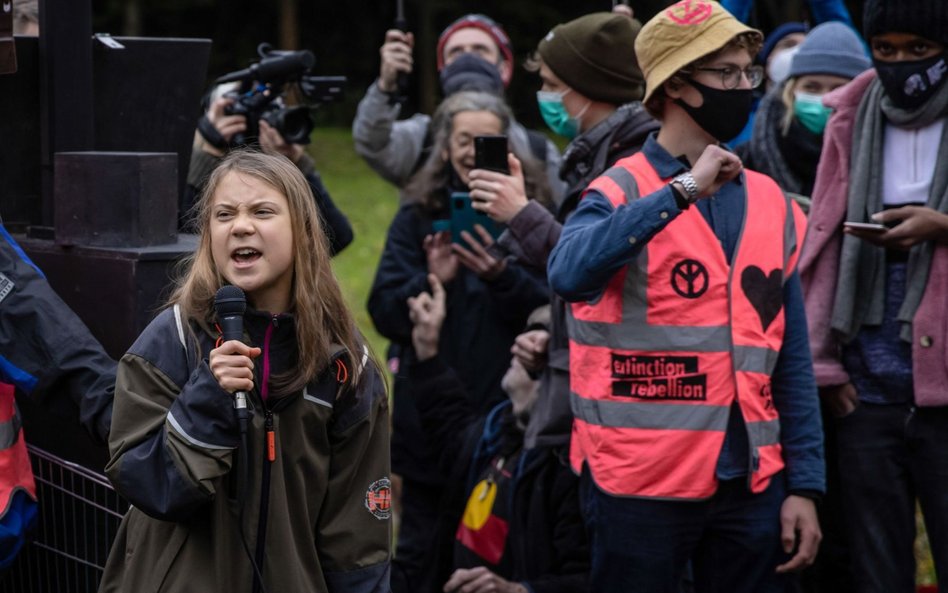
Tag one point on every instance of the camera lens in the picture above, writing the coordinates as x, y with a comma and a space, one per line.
294, 124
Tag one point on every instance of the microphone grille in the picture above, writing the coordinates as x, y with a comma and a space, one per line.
230, 300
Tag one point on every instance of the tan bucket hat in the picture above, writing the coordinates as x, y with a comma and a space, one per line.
682, 33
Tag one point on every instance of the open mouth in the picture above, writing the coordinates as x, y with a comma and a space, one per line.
245, 255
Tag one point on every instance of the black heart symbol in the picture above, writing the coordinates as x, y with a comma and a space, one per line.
764, 292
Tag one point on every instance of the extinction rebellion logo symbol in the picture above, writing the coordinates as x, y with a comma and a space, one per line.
689, 278
690, 12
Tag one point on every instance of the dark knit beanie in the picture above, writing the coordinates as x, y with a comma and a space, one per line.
927, 18
774, 37
595, 55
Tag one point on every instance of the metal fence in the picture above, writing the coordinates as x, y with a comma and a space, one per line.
79, 514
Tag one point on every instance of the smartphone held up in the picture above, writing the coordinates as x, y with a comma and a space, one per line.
490, 153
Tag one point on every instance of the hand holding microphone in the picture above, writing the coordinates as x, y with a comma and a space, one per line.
232, 365
232, 362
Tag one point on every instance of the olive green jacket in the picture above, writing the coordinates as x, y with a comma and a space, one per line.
316, 517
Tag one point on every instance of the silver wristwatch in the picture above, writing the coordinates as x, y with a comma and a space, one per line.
687, 182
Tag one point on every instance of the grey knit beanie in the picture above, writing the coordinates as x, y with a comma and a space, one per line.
831, 48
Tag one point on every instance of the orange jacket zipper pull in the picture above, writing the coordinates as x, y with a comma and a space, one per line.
271, 438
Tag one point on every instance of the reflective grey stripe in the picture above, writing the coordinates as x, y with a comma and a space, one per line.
177, 427
664, 416
763, 433
626, 182
179, 326
10, 430
755, 360
316, 400
789, 236
634, 335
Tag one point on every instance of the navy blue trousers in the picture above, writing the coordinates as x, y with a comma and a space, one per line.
644, 545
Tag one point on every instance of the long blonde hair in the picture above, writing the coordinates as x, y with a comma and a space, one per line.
321, 315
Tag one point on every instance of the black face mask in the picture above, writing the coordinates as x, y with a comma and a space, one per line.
909, 84
724, 113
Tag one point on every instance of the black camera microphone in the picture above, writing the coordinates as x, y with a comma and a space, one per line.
275, 68
230, 304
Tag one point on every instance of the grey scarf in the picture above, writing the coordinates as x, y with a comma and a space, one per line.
860, 292
764, 145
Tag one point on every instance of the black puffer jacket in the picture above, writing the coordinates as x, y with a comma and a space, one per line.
546, 543
483, 318
45, 349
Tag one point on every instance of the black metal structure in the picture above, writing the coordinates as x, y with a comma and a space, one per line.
97, 139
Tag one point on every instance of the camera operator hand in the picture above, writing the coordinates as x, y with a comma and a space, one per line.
272, 141
226, 125
396, 57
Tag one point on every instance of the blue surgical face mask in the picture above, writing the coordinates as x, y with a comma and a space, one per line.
811, 112
555, 115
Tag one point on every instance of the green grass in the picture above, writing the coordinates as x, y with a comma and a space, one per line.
370, 203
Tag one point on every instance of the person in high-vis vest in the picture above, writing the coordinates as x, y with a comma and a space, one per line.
697, 427
17, 486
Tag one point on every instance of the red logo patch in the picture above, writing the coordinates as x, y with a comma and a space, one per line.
378, 499
690, 12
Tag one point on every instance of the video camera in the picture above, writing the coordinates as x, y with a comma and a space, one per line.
261, 91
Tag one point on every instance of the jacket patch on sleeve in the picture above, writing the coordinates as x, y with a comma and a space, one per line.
378, 499
6, 285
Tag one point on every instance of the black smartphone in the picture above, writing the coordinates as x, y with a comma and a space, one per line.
490, 152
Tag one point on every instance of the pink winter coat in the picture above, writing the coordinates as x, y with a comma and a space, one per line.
819, 264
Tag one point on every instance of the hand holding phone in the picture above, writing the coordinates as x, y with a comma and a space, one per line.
873, 227
873, 232
490, 152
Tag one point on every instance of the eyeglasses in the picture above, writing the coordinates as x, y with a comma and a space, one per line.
731, 75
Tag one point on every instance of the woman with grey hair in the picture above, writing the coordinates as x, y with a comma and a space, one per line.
430, 182
489, 297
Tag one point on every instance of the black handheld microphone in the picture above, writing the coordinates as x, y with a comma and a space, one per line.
401, 79
293, 63
230, 304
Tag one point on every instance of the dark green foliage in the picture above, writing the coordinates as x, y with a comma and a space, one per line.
346, 35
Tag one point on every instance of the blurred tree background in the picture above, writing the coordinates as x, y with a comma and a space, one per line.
345, 36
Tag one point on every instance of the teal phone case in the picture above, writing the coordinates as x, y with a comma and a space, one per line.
464, 217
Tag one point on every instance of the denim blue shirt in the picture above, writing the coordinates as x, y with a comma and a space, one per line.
599, 239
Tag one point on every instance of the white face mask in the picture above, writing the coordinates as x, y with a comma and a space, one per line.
779, 68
